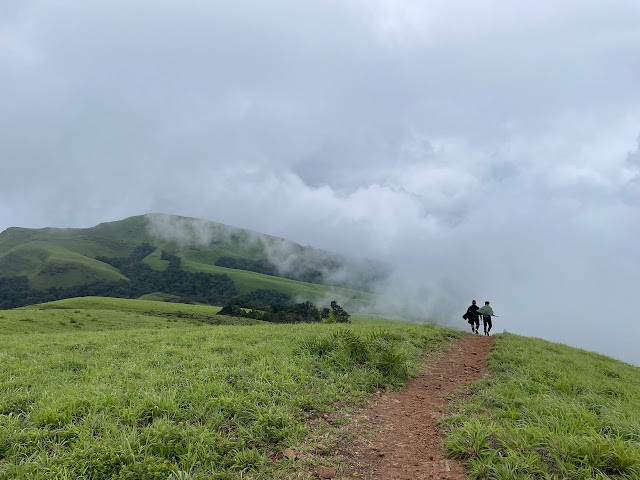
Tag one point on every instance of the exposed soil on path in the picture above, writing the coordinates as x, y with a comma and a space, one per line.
405, 443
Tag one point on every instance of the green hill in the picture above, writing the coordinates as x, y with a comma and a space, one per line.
66, 258
103, 388
58, 257
162, 395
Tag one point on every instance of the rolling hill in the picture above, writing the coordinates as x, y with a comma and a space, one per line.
59, 258
103, 388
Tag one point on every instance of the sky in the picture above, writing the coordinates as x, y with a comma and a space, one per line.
489, 150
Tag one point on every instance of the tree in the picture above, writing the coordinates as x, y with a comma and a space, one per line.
338, 313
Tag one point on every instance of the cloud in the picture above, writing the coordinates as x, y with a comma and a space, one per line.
488, 150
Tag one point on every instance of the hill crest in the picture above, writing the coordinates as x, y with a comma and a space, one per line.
67, 257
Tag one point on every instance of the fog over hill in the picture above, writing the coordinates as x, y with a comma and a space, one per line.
486, 150
289, 259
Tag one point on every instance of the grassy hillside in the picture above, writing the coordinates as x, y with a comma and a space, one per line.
52, 257
99, 388
62, 257
193, 401
101, 314
60, 262
548, 411
126, 305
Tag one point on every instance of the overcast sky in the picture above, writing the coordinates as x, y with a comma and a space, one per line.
489, 149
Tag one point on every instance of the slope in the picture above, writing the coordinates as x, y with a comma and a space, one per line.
549, 411
99, 314
190, 402
53, 257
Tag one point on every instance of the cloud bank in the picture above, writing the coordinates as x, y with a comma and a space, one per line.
489, 151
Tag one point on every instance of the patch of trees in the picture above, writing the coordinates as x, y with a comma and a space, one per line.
249, 264
190, 287
307, 275
137, 255
302, 273
336, 314
13, 291
305, 312
263, 296
213, 289
316, 268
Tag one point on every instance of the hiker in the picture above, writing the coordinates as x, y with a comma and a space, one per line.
473, 317
487, 312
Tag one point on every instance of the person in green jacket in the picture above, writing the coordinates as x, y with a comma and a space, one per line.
487, 312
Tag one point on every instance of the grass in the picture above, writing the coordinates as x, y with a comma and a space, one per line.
54, 264
548, 411
160, 297
101, 314
376, 319
129, 305
193, 401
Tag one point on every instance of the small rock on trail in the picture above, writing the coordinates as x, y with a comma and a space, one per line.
324, 472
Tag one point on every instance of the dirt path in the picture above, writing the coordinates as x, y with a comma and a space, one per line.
406, 442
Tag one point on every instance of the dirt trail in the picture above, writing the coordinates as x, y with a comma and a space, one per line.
406, 442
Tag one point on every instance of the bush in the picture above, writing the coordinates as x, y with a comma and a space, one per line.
305, 312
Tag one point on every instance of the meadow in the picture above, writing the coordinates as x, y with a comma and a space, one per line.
161, 393
104, 388
101, 314
548, 411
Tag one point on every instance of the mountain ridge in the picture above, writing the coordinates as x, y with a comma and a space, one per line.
53, 257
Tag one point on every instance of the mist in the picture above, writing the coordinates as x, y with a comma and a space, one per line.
484, 151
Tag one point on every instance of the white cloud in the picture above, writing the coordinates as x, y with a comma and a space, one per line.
489, 149
409, 22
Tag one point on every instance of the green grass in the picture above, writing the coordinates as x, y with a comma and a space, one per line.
548, 411
50, 264
26, 321
101, 314
192, 401
129, 305
371, 318
161, 297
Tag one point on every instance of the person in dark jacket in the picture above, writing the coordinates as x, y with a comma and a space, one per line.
472, 317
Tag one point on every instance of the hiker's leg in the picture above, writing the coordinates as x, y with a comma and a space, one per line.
490, 325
